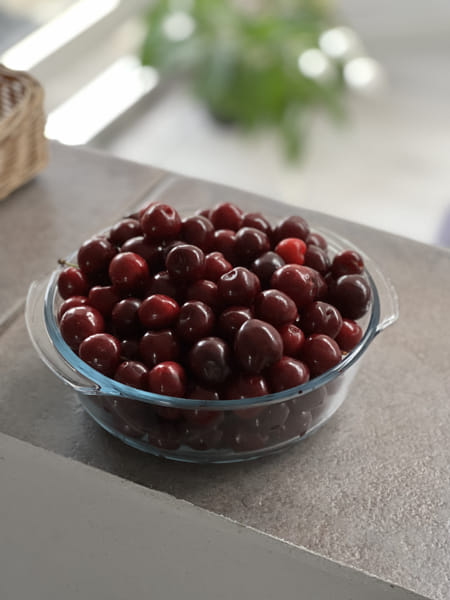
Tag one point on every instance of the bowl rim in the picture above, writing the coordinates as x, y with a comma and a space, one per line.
103, 385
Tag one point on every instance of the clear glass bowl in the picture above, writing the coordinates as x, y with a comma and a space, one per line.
199, 430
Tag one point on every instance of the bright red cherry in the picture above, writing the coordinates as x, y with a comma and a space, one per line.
72, 282
275, 307
158, 311
167, 378
291, 250
160, 222
129, 272
102, 352
226, 216
287, 373
80, 322
257, 345
349, 335
297, 282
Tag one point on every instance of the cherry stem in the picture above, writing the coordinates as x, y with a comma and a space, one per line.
65, 263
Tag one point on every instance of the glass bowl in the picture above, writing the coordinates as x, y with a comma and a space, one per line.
207, 431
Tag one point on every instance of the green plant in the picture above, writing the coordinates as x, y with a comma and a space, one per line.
243, 61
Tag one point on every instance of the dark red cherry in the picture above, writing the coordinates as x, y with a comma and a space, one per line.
95, 255
226, 216
348, 262
349, 335
209, 361
317, 259
151, 253
205, 291
159, 346
72, 282
247, 386
231, 320
297, 282
292, 227
320, 353
275, 307
321, 317
167, 378
287, 373
257, 221
158, 311
125, 318
250, 243
102, 352
198, 231
352, 296
80, 322
71, 303
161, 283
129, 272
185, 263
196, 320
266, 265
293, 340
132, 373
257, 345
124, 230
103, 298
216, 265
238, 287
315, 239
224, 242
160, 222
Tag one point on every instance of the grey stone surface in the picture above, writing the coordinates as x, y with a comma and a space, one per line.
371, 489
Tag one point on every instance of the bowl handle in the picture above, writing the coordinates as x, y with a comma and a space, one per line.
389, 309
34, 317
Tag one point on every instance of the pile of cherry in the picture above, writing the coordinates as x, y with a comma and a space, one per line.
219, 305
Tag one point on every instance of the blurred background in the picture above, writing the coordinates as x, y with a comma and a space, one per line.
341, 107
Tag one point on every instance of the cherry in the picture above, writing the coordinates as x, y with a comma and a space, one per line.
198, 231
352, 296
216, 265
266, 265
224, 242
95, 255
80, 322
129, 272
167, 378
159, 346
292, 227
231, 320
151, 253
72, 282
204, 212
103, 298
347, 263
297, 282
200, 392
257, 221
257, 345
160, 222
226, 216
247, 386
125, 319
196, 320
209, 361
206, 291
185, 263
349, 335
133, 373
71, 303
129, 349
102, 352
321, 317
317, 259
161, 283
287, 373
124, 230
158, 311
320, 352
315, 239
275, 307
293, 339
322, 286
238, 287
250, 243
292, 250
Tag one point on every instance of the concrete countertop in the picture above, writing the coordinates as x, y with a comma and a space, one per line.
371, 489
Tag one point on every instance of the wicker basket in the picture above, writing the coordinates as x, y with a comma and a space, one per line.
23, 147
